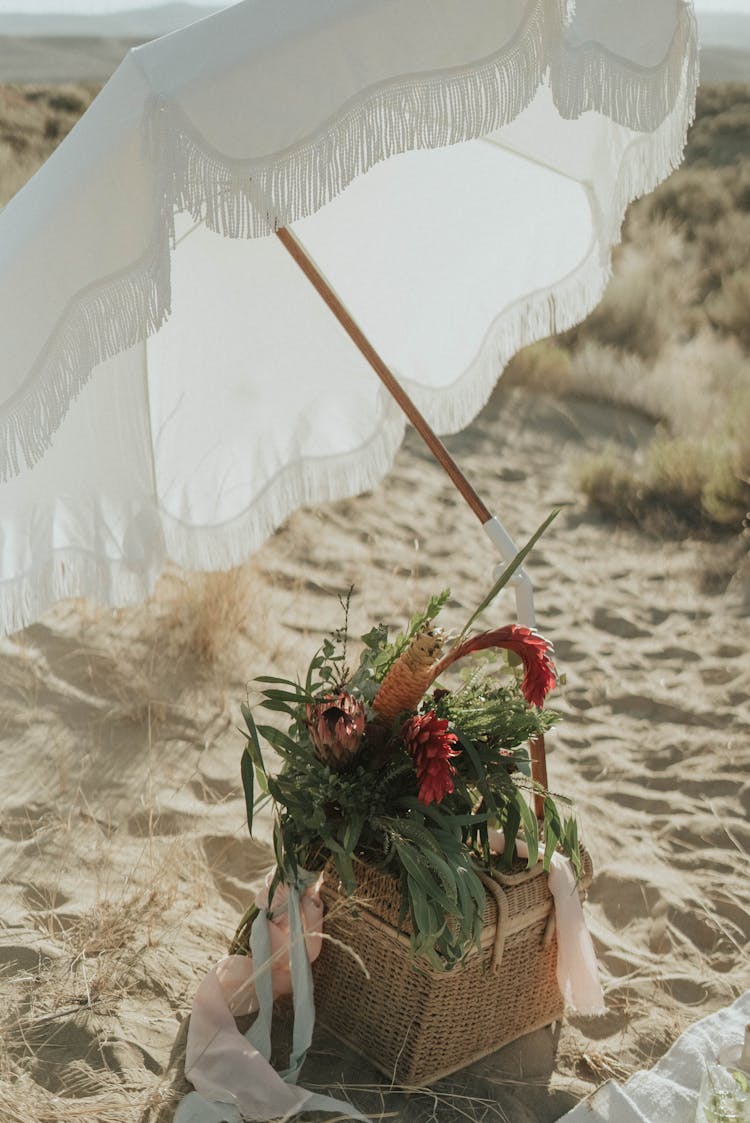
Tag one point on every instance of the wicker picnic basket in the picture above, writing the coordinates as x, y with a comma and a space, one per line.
417, 1024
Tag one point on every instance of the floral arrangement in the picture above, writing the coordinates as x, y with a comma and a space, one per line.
382, 762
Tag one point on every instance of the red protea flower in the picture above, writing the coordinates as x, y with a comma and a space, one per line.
535, 652
429, 743
336, 724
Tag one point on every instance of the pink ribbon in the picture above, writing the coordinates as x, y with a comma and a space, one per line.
577, 968
220, 1062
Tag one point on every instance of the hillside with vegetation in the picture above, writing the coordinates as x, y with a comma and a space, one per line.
671, 339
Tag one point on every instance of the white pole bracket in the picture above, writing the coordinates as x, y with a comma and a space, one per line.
520, 580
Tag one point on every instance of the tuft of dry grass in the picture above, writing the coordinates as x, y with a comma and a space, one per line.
33, 121
201, 616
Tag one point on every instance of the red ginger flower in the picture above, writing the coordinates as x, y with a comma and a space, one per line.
535, 652
429, 743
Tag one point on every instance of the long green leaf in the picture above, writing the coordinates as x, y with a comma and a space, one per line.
530, 828
298, 696
253, 744
278, 848
278, 707
480, 773
510, 830
445, 820
246, 771
282, 742
424, 915
508, 572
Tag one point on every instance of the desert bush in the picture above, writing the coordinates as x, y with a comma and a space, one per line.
695, 483
694, 197
729, 308
603, 373
721, 133
609, 483
28, 127
544, 366
651, 283
67, 102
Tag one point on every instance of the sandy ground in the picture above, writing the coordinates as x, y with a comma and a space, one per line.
123, 848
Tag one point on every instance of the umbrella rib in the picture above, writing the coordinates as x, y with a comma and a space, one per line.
360, 340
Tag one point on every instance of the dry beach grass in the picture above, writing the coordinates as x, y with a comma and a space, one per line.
124, 858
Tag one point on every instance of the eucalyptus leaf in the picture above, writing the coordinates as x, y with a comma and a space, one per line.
280, 741
246, 771
530, 829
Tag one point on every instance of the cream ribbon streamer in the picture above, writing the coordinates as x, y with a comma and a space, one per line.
231, 1073
577, 968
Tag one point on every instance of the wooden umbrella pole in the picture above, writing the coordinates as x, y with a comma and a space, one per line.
433, 442
538, 755
360, 340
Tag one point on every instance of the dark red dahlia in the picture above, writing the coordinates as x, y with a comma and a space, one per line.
430, 745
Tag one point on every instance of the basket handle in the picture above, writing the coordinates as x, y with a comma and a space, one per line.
503, 913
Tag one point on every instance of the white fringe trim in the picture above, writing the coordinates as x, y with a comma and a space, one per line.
252, 198
249, 199
71, 573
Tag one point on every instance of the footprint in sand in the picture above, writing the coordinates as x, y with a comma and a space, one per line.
617, 625
162, 823
25, 821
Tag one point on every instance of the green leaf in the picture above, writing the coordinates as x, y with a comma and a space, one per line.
512, 823
480, 773
550, 845
424, 916
343, 863
246, 771
352, 833
282, 742
248, 716
278, 707
274, 790
278, 847
444, 819
530, 828
297, 696
508, 572
420, 619
376, 638
253, 744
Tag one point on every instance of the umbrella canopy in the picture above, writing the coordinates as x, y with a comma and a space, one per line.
172, 386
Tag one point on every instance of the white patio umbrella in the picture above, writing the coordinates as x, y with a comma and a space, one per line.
455, 171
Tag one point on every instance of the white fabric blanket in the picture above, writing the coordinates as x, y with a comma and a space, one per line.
667, 1093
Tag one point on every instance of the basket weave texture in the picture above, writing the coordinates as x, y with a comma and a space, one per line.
414, 1023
